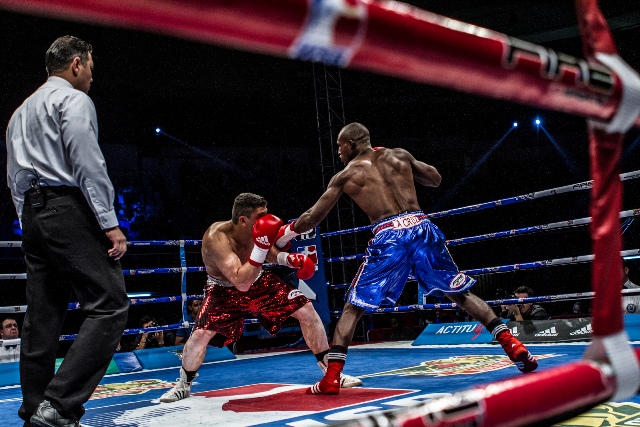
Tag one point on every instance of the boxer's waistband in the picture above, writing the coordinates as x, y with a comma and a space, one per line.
400, 221
212, 281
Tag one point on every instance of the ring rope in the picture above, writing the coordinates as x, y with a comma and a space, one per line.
384, 37
441, 51
180, 243
586, 185
132, 301
134, 331
183, 282
585, 384
511, 233
536, 228
492, 303
527, 265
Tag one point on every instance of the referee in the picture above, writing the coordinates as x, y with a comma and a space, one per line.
71, 240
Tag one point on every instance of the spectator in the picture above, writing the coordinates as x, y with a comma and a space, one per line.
398, 331
626, 283
10, 331
424, 321
126, 344
526, 311
193, 307
630, 303
579, 307
156, 339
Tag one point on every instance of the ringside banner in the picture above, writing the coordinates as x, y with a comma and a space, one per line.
530, 331
454, 333
554, 330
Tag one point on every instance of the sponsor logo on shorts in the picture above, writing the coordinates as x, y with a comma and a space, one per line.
295, 294
458, 281
407, 221
632, 308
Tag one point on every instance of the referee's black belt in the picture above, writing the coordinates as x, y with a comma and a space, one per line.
50, 192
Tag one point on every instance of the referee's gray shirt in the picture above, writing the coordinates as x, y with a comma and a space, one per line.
55, 132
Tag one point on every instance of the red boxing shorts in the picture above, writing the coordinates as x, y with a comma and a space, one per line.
224, 308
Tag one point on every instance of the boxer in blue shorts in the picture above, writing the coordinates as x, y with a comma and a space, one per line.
381, 181
403, 245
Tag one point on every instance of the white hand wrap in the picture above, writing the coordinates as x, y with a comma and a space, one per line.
289, 234
258, 256
283, 259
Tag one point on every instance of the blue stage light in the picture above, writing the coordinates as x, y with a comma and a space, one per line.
515, 124
537, 121
158, 130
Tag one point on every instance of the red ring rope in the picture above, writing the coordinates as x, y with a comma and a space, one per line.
384, 37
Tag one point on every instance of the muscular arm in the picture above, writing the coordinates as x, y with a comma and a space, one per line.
321, 208
216, 251
424, 174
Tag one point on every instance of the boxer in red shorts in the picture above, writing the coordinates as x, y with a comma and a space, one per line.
233, 252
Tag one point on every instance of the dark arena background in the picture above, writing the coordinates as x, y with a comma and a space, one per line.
185, 126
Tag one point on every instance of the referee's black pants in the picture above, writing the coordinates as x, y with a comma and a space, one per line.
66, 250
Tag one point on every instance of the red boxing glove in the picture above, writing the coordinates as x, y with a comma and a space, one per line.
304, 264
285, 235
264, 235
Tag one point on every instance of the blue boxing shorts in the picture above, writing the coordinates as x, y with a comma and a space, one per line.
403, 245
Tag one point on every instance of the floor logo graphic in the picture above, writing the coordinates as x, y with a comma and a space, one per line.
609, 414
457, 365
130, 387
251, 405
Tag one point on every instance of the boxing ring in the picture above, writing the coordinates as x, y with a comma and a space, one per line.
403, 374
396, 39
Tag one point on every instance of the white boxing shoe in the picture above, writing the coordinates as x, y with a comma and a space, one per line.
180, 391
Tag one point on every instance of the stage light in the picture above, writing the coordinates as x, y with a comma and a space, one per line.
158, 130
537, 121
443, 201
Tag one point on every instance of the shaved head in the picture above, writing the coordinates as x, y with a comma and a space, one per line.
355, 132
